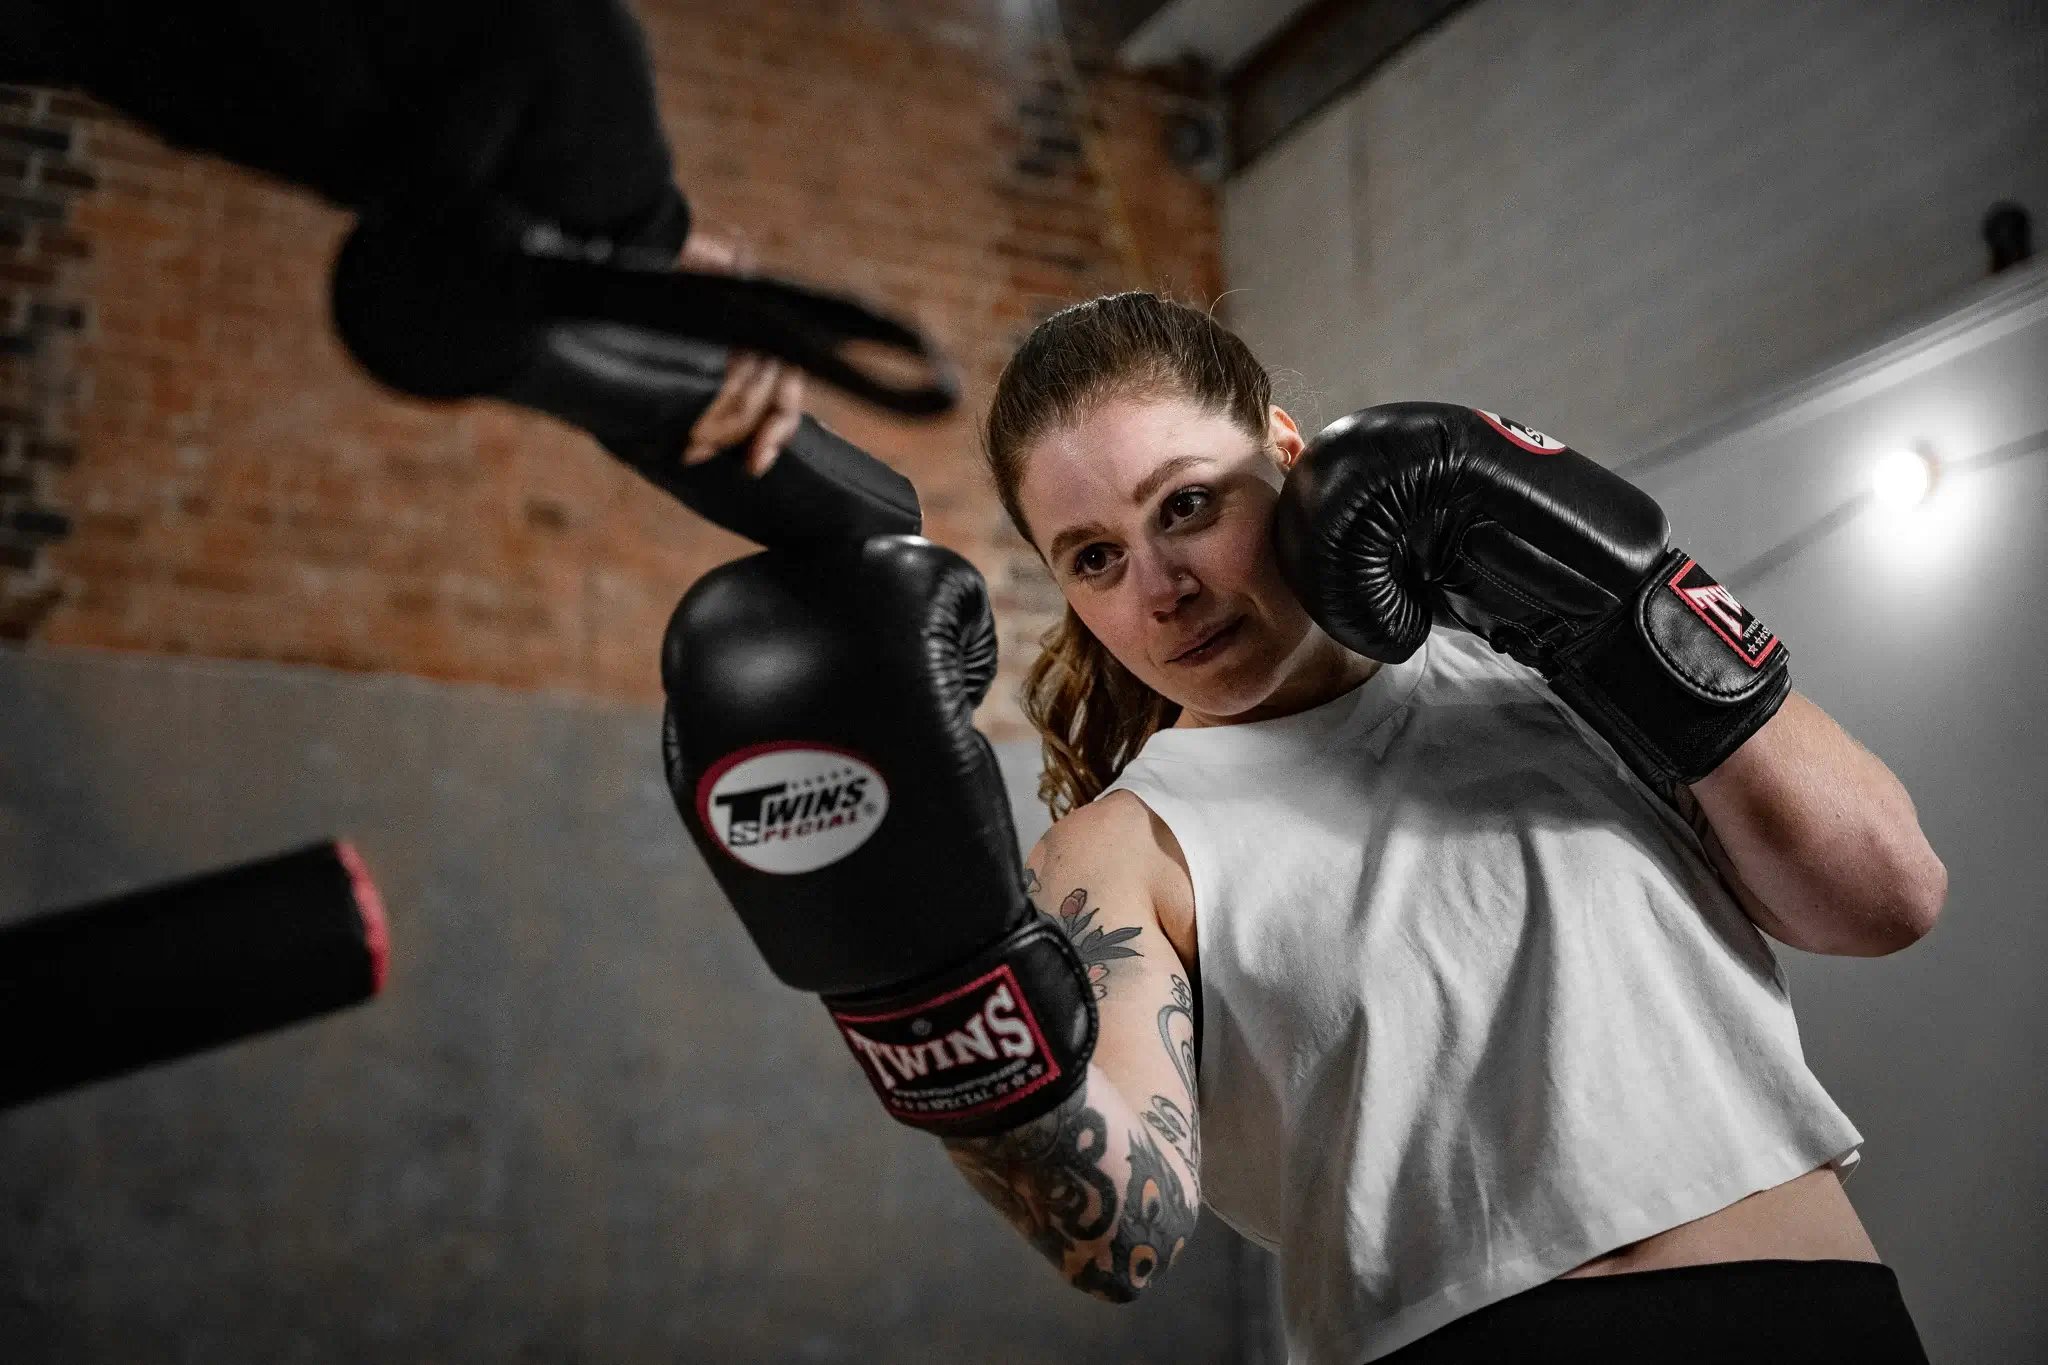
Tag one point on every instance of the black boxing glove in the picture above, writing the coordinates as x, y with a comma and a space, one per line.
535, 109
820, 745
1408, 513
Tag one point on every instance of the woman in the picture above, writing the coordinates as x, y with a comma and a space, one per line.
1491, 1052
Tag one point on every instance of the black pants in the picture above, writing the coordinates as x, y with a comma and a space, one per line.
1751, 1312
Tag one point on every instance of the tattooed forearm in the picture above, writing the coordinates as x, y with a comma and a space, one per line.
1177, 1031
1076, 918
1105, 1191
1170, 1121
1051, 1178
1046, 1177
1151, 1230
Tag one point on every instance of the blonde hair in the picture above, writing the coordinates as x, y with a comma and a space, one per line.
1092, 714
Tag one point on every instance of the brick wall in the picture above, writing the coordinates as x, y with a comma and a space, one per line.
233, 489
1614, 220
42, 313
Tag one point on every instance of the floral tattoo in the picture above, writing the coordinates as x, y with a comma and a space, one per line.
1097, 947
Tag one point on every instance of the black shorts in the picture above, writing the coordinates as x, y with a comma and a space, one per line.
1753, 1312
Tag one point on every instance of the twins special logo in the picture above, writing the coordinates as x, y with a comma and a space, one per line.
974, 1048
1528, 438
1750, 638
791, 807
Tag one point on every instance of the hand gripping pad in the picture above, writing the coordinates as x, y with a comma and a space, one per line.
634, 357
1680, 679
996, 1042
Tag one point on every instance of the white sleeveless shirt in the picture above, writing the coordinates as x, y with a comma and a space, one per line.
1475, 1009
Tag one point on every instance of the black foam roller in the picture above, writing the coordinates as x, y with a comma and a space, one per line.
96, 990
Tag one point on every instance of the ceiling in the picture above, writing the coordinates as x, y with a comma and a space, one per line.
1273, 63
1222, 32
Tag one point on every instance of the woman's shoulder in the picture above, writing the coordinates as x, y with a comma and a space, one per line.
1116, 826
1117, 837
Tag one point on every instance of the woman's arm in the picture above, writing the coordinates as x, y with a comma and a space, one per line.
1817, 839
1090, 1187
1107, 1186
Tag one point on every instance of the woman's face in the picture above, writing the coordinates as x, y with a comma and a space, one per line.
1154, 515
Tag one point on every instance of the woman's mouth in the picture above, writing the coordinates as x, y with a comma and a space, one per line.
1212, 646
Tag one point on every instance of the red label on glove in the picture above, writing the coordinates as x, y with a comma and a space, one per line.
1751, 640
1528, 438
969, 1051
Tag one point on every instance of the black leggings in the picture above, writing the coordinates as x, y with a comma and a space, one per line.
1752, 1312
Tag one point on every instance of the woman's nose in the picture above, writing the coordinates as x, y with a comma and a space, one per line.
1166, 581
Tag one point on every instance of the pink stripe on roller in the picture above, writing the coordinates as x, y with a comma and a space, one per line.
376, 929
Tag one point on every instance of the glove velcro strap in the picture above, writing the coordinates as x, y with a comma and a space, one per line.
995, 1042
1678, 681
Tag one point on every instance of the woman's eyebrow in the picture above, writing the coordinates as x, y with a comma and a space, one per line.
1147, 486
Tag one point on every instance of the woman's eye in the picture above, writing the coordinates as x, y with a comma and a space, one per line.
1189, 500
1084, 561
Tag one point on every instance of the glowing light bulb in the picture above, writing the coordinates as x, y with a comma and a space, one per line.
1904, 478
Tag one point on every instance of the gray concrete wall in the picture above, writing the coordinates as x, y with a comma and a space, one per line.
583, 1123
1921, 634
1614, 219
